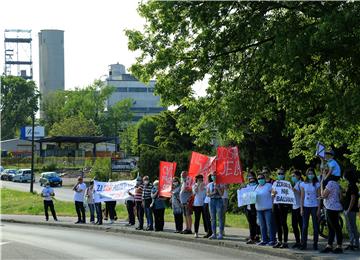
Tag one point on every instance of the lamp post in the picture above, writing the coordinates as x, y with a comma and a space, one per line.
32, 152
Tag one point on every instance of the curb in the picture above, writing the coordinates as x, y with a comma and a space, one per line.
164, 235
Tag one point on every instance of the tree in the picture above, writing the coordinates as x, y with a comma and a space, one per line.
76, 125
290, 63
19, 102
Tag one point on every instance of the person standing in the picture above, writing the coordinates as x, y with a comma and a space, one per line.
250, 212
310, 205
48, 194
130, 206
225, 198
89, 193
296, 219
215, 192
79, 191
185, 195
139, 203
146, 196
351, 208
158, 207
199, 192
176, 205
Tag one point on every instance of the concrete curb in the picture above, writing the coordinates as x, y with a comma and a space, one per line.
287, 253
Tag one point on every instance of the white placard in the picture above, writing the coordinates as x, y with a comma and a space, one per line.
246, 196
284, 193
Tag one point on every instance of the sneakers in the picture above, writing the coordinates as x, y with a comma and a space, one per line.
213, 236
186, 232
220, 237
139, 228
338, 250
271, 244
250, 242
207, 235
263, 243
149, 229
284, 245
326, 250
111, 221
196, 235
277, 245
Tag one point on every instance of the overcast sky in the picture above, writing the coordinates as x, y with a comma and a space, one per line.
94, 33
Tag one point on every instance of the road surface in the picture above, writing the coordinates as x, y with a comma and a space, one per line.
22, 241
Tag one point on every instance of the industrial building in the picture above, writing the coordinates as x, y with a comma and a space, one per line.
127, 86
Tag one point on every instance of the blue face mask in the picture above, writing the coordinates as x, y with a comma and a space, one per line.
213, 177
252, 183
262, 181
311, 177
294, 179
281, 177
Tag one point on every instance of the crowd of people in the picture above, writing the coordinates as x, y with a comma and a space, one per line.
267, 220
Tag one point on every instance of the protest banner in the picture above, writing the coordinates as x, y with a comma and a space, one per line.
246, 196
320, 150
108, 191
284, 193
167, 172
201, 164
228, 167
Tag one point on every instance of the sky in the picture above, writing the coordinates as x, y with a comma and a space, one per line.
93, 34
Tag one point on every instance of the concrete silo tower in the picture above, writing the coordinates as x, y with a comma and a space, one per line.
51, 61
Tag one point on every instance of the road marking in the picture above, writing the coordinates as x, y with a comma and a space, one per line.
4, 243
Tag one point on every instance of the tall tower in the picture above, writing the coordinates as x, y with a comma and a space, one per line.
18, 53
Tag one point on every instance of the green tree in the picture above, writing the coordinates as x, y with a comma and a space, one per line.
19, 101
290, 63
76, 125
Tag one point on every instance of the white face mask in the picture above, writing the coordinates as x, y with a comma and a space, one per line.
146, 182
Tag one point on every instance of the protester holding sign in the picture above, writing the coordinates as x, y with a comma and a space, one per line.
281, 210
176, 205
296, 219
215, 192
89, 193
199, 192
309, 205
250, 212
158, 207
263, 206
206, 207
185, 195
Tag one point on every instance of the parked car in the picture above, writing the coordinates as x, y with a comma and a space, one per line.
23, 175
52, 177
8, 174
1, 169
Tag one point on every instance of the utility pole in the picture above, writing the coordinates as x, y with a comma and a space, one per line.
32, 152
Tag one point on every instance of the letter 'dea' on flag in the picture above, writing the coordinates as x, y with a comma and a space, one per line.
166, 175
201, 164
228, 166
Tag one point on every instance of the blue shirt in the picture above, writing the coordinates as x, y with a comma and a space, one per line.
334, 167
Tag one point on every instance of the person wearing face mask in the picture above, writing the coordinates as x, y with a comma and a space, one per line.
139, 186
48, 193
176, 205
250, 212
310, 205
296, 219
199, 191
147, 200
158, 207
207, 217
185, 196
215, 192
263, 205
280, 212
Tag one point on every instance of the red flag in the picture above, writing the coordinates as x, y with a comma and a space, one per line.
201, 164
167, 172
228, 166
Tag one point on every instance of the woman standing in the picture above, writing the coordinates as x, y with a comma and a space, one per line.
351, 208
89, 193
263, 206
254, 228
158, 207
296, 219
215, 192
309, 205
176, 205
199, 191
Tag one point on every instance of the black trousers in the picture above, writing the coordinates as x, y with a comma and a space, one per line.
98, 212
207, 219
159, 219
140, 213
130, 209
254, 228
49, 204
332, 219
80, 211
200, 211
110, 208
297, 223
179, 221
280, 212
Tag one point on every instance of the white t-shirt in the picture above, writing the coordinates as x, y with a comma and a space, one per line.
310, 194
46, 192
297, 195
199, 196
79, 196
225, 194
263, 197
207, 199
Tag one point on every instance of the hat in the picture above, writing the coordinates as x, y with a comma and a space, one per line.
331, 152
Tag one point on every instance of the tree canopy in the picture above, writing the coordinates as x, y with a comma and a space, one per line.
290, 64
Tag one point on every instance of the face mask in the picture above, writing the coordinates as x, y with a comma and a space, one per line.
281, 177
262, 181
252, 183
146, 182
175, 184
294, 179
310, 176
213, 177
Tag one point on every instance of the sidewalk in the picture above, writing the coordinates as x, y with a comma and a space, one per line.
234, 237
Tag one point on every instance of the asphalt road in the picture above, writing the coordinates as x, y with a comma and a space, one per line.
22, 241
61, 193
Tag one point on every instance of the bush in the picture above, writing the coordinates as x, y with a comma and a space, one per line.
101, 169
49, 167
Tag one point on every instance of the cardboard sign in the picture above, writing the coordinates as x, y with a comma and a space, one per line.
201, 164
246, 196
167, 172
284, 193
320, 150
228, 167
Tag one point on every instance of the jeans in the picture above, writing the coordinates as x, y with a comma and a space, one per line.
280, 216
92, 210
199, 211
179, 221
49, 204
148, 214
130, 209
216, 208
306, 216
80, 211
98, 212
253, 226
297, 223
332, 219
266, 223
140, 213
350, 218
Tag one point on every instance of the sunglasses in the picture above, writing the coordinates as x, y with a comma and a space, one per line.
261, 178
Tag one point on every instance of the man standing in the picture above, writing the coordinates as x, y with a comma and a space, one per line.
146, 196
185, 194
79, 191
48, 193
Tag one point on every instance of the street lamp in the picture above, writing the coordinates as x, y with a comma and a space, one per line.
32, 152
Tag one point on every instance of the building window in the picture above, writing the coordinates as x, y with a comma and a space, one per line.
151, 89
137, 89
121, 89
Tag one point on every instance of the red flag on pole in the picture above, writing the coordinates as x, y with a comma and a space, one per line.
228, 166
167, 172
